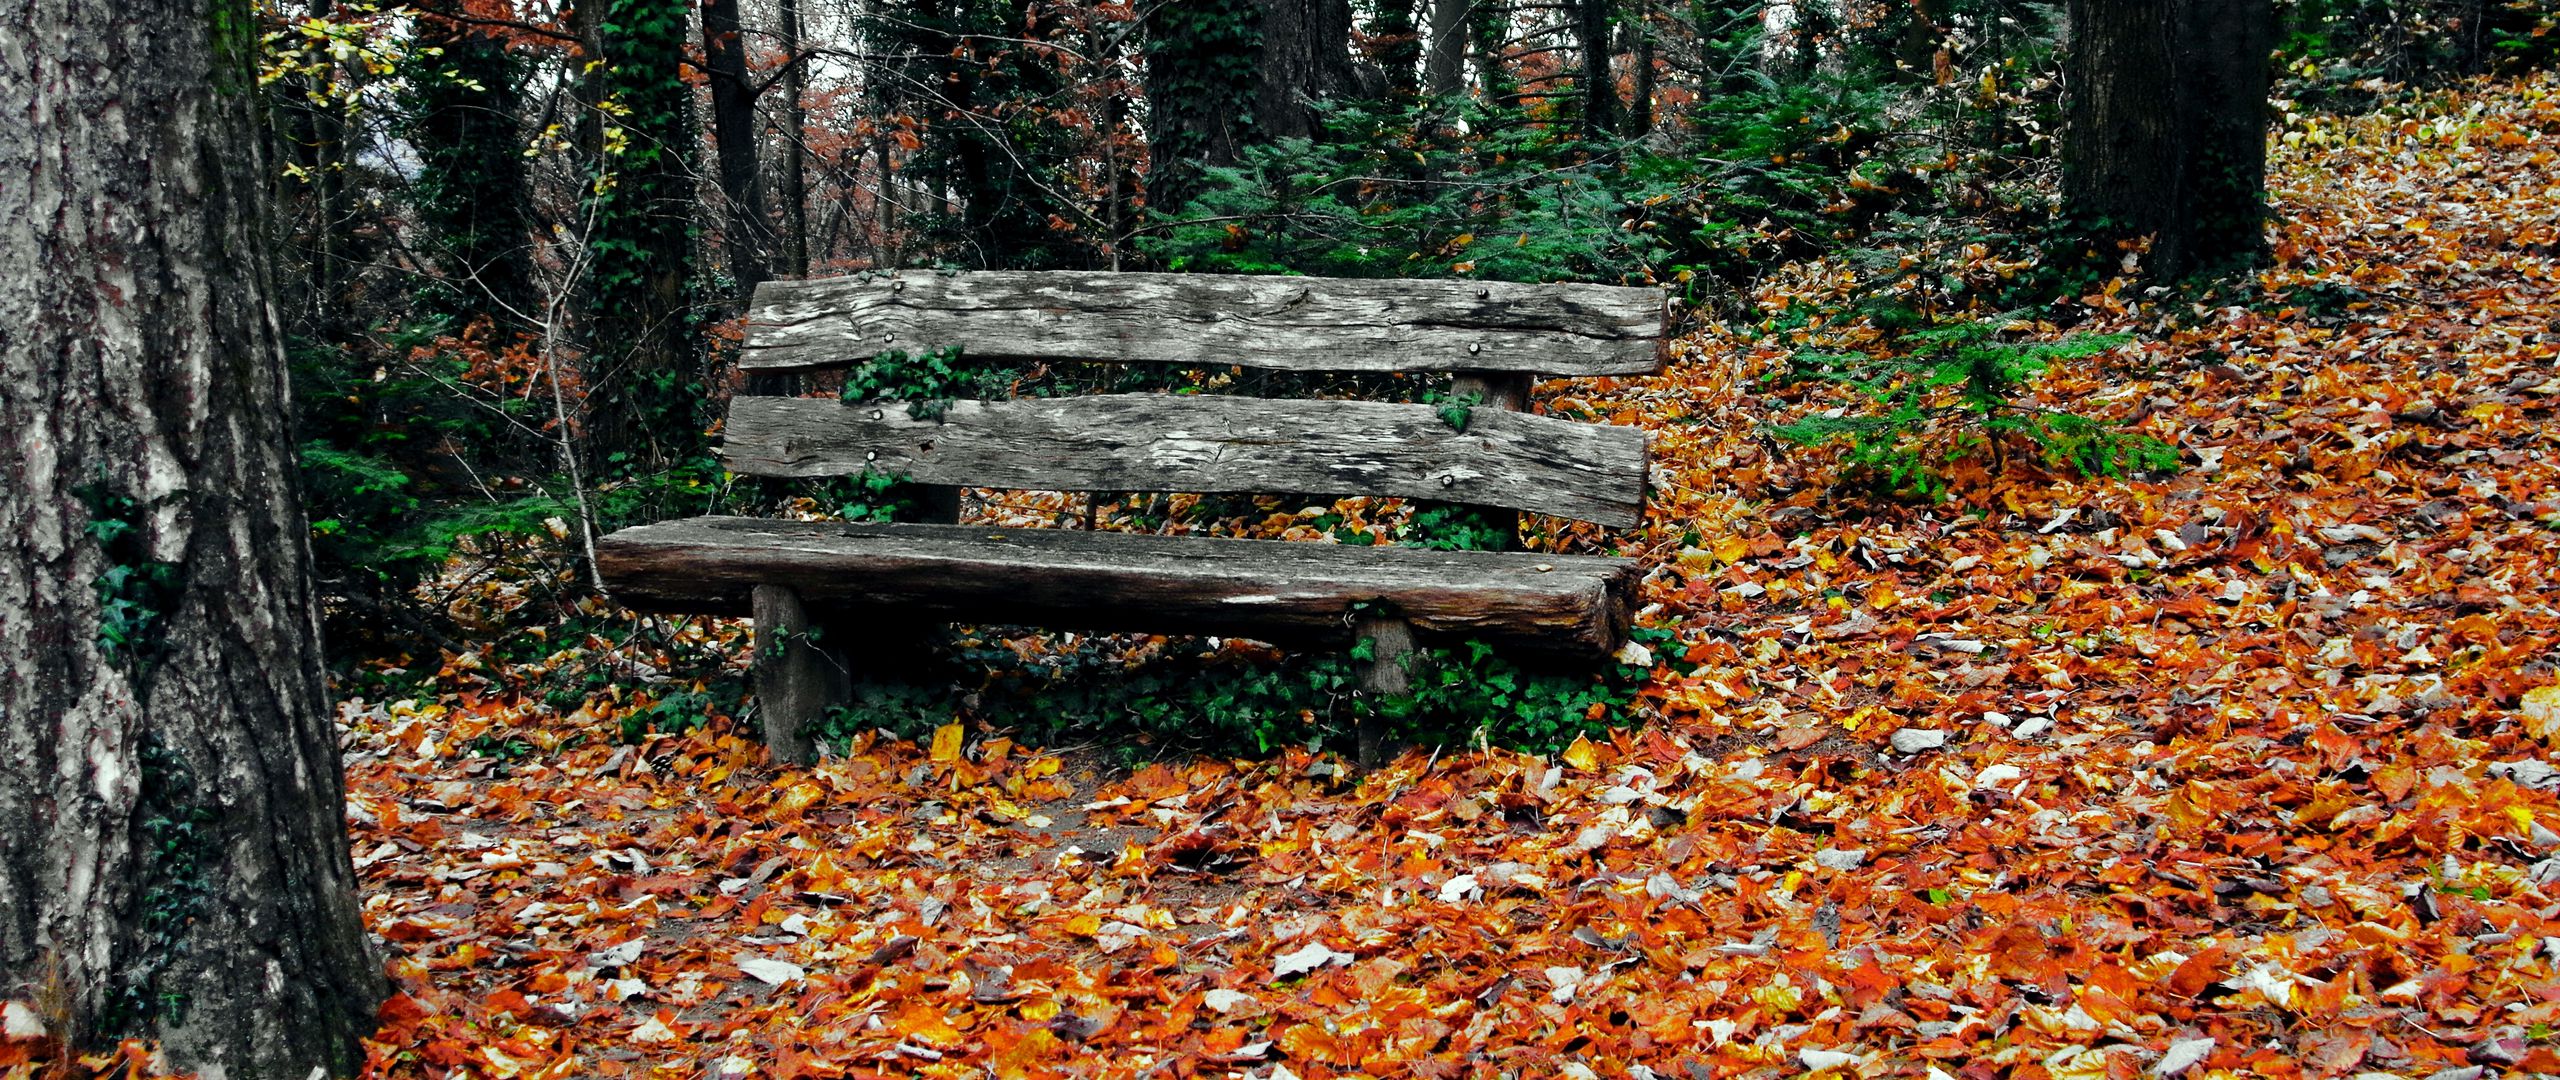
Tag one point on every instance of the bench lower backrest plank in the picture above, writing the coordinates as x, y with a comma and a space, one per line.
1165, 442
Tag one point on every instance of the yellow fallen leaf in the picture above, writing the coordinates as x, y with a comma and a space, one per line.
1732, 548
1580, 755
946, 743
655, 1031
2541, 711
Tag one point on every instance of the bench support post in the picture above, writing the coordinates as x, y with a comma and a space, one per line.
798, 677
1382, 676
1505, 391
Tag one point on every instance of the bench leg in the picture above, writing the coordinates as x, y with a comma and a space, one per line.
1390, 642
797, 677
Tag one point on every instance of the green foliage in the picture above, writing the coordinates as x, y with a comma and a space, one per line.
927, 382
1470, 689
680, 711
1388, 195
1443, 526
874, 496
1950, 390
1230, 702
135, 592
174, 833
1455, 410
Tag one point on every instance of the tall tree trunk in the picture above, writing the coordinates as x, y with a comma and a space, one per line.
2166, 128
639, 349
733, 137
471, 189
1640, 118
795, 120
173, 861
1398, 51
1489, 31
1200, 102
1599, 88
1306, 58
1444, 53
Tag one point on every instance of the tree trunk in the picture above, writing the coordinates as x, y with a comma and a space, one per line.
1306, 58
795, 121
733, 136
1599, 88
639, 349
2166, 128
1444, 55
1640, 119
1397, 47
173, 862
1200, 103
471, 187
1489, 31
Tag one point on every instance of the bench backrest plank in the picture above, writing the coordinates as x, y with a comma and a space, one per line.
1206, 443
1279, 323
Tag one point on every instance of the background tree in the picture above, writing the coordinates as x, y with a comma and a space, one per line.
2166, 134
639, 134
465, 119
173, 862
1202, 84
733, 132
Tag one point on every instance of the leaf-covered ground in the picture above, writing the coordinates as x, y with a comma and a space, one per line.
2238, 771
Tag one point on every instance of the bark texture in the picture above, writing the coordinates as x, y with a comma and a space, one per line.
472, 188
795, 126
1593, 22
1444, 50
733, 137
1206, 443
2166, 128
1278, 323
1306, 58
1275, 590
1201, 85
172, 853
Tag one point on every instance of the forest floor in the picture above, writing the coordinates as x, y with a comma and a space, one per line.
2244, 770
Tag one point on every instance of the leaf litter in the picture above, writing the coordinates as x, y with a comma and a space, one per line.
2246, 770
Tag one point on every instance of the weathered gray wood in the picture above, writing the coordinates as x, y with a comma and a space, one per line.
1501, 392
1291, 323
1165, 442
1383, 675
799, 672
1276, 590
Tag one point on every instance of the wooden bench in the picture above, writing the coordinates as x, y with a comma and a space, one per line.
870, 588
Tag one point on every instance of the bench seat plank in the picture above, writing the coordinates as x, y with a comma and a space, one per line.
1286, 592
1206, 320
1204, 443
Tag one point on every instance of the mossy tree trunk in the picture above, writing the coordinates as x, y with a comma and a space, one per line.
635, 323
733, 134
173, 861
472, 189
